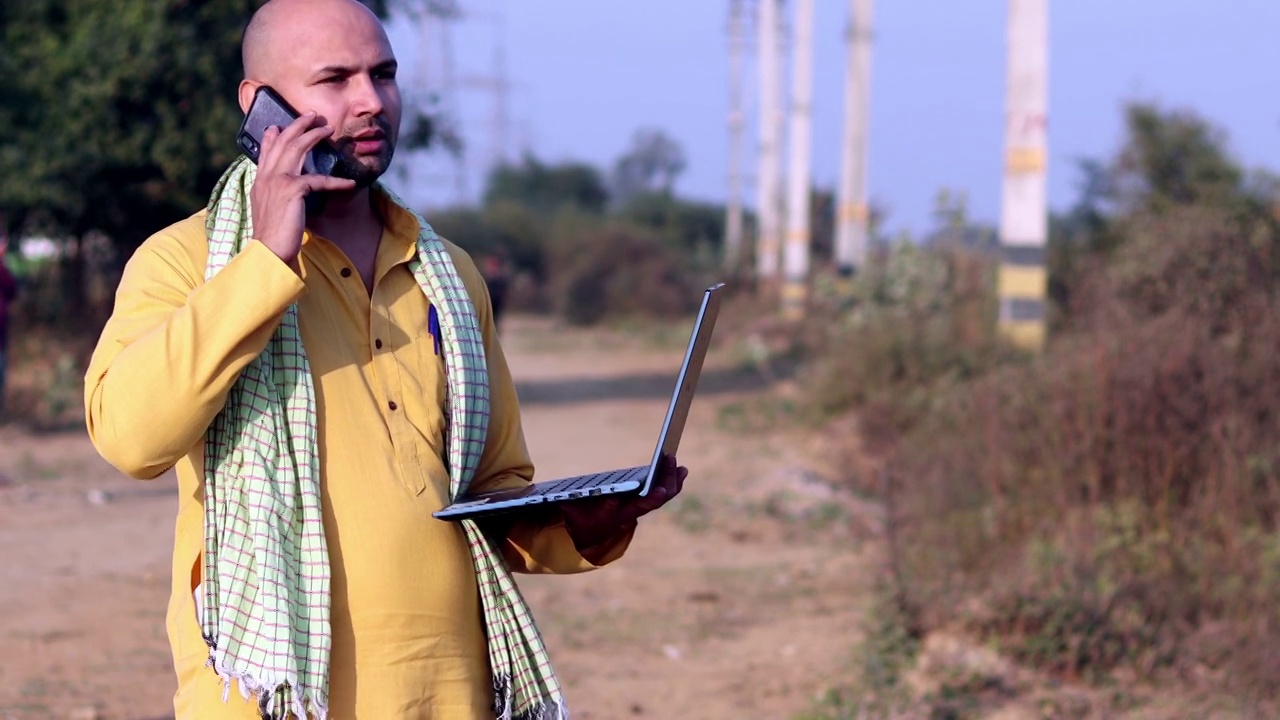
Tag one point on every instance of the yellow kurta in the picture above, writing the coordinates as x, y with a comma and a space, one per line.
408, 639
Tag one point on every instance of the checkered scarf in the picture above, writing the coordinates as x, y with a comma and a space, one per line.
265, 601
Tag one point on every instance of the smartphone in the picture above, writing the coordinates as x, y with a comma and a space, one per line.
270, 109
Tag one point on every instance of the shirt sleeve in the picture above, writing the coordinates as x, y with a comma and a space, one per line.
539, 542
175, 344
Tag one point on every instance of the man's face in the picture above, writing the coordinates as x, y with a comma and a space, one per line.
339, 64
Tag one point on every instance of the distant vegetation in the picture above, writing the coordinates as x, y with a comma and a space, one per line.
119, 116
589, 245
1111, 508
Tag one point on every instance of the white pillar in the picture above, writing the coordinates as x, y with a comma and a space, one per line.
852, 215
1024, 218
768, 186
733, 206
795, 261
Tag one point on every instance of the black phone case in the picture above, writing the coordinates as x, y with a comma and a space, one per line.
270, 109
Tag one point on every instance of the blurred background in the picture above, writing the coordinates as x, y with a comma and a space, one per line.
990, 425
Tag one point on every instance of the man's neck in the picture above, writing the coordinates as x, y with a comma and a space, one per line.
345, 215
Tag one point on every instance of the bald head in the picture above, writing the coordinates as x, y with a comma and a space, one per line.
333, 58
277, 26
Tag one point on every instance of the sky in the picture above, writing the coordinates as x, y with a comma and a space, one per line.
587, 74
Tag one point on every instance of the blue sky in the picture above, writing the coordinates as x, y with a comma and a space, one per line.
587, 74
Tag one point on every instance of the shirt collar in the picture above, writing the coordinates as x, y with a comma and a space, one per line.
400, 230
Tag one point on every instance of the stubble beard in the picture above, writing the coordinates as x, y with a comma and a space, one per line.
366, 169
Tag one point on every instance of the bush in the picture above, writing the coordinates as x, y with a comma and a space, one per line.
920, 319
506, 228
615, 269
1116, 503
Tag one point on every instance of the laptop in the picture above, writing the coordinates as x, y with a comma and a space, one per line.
635, 480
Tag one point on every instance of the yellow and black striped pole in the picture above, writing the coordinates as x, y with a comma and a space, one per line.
1022, 284
1024, 218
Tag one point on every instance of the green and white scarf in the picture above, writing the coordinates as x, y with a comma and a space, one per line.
265, 601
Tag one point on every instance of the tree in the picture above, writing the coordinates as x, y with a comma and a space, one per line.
1172, 172
1173, 158
1169, 160
652, 164
548, 188
120, 115
684, 224
953, 227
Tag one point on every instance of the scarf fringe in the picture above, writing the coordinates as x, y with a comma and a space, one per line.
503, 703
305, 704
549, 710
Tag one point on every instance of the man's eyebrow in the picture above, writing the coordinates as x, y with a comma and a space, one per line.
389, 64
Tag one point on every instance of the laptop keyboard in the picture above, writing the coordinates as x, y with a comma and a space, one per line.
588, 481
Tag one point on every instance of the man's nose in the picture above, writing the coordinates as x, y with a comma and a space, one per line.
366, 100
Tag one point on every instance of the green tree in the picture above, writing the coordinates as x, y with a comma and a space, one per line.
953, 226
120, 114
505, 227
685, 224
1173, 170
548, 188
652, 165
1173, 158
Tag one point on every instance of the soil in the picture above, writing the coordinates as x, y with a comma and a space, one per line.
743, 598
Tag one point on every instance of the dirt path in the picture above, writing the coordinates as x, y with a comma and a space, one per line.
740, 599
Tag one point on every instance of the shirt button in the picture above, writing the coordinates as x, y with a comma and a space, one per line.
346, 272
392, 405
377, 344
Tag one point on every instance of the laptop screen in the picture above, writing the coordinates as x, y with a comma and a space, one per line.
686, 381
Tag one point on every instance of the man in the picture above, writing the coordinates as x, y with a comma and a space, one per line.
8, 292
281, 362
498, 282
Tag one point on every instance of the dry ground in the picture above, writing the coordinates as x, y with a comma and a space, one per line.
742, 599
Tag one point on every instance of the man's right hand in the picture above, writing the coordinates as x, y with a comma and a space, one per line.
279, 211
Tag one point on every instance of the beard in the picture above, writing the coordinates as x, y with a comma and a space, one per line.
365, 169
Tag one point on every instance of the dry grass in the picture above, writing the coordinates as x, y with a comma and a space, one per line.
1111, 509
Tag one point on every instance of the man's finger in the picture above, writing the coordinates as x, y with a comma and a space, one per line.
325, 183
297, 149
290, 143
266, 151
671, 482
302, 124
658, 496
288, 132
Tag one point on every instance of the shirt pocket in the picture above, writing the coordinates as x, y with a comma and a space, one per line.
430, 418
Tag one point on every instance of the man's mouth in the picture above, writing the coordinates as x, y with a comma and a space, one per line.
368, 142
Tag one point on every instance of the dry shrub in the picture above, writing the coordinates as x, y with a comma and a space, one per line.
619, 270
921, 319
1116, 503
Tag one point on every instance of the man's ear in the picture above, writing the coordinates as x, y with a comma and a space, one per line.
247, 90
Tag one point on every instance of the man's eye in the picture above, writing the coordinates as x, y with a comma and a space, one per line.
332, 80
385, 75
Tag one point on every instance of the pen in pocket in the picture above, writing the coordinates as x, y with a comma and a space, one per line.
433, 327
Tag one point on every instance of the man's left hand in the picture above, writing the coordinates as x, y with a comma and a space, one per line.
599, 520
